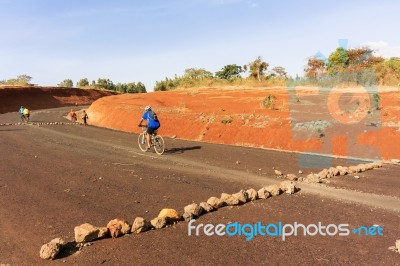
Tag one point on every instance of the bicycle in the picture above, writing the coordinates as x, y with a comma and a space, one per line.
156, 141
25, 118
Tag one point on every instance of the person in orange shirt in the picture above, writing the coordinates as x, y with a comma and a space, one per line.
72, 114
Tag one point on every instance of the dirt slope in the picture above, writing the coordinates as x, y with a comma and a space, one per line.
35, 97
339, 122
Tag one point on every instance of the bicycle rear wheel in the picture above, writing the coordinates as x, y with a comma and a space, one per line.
142, 142
159, 145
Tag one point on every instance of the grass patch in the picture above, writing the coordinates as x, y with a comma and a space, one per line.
226, 120
268, 102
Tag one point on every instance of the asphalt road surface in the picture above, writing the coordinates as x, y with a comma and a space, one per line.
55, 177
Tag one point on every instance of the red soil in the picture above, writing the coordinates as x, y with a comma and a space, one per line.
237, 116
35, 97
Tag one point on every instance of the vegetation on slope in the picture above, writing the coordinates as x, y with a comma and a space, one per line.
358, 66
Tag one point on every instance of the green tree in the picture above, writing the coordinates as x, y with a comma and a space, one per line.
66, 83
140, 87
381, 71
229, 72
160, 86
167, 84
280, 72
20, 80
393, 64
106, 84
131, 88
258, 68
392, 67
358, 64
12, 82
197, 74
338, 60
82, 83
24, 79
121, 87
361, 62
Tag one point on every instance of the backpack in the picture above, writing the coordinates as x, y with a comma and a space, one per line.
153, 116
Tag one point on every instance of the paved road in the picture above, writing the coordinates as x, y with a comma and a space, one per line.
59, 176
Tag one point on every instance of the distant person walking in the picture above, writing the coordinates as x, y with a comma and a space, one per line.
21, 113
72, 114
85, 117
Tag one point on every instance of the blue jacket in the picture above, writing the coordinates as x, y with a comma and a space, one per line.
152, 120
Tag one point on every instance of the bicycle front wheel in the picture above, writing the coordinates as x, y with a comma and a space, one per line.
142, 142
159, 145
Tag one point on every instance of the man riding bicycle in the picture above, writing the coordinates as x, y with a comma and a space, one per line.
152, 123
26, 113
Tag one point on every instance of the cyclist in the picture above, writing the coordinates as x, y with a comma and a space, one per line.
152, 123
26, 113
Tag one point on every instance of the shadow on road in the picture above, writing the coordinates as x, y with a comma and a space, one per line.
181, 149
14, 129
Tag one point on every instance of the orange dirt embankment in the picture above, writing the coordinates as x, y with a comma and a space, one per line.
35, 97
238, 117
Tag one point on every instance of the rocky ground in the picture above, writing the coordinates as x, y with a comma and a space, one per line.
58, 176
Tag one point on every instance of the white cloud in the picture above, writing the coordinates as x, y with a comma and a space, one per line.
383, 49
252, 4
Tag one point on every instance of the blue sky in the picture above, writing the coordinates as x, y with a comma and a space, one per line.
130, 41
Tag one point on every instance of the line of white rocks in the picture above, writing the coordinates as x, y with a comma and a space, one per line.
328, 173
396, 248
39, 123
85, 233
